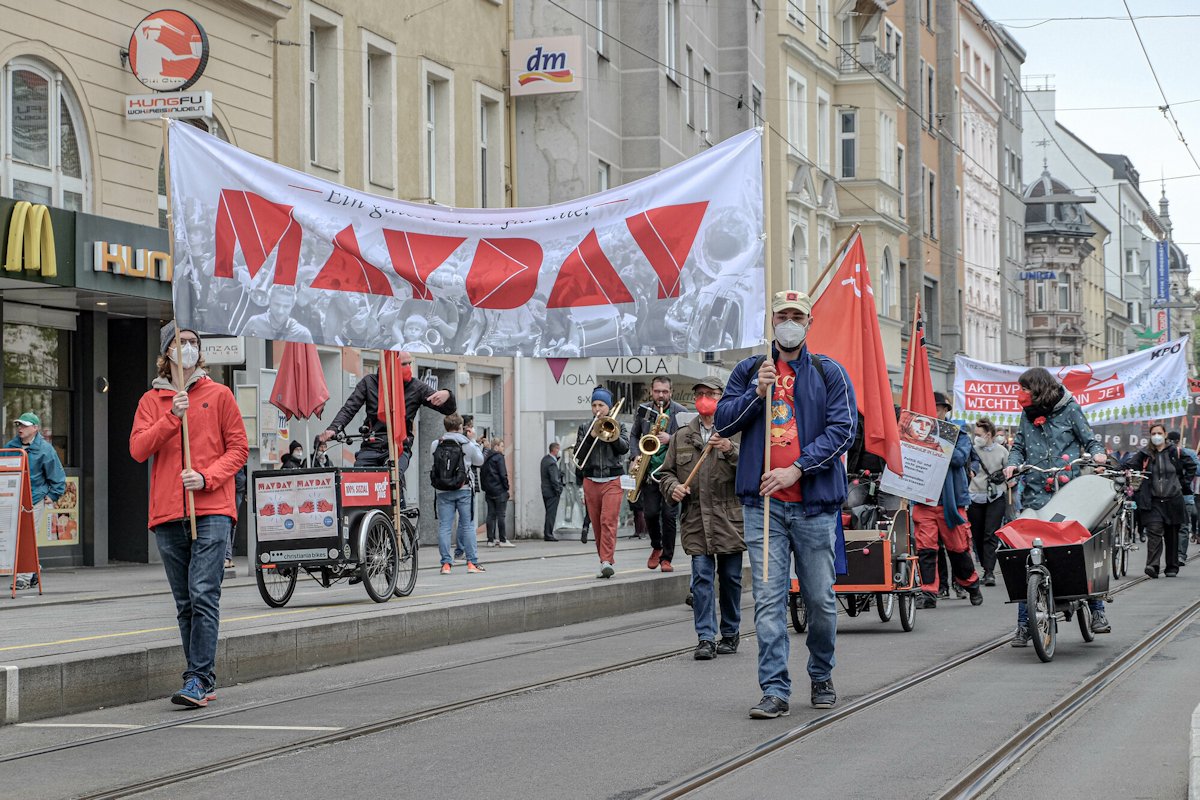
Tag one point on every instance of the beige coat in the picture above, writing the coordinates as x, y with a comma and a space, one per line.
710, 521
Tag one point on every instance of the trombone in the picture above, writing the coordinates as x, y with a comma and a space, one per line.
602, 429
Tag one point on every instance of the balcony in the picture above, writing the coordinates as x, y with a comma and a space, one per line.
861, 56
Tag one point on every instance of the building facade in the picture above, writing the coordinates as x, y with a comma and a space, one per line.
1009, 149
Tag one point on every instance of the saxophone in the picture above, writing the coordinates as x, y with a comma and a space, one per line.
648, 447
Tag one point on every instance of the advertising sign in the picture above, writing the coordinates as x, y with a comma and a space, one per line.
366, 489
926, 445
546, 65
1162, 271
176, 105
1149, 384
10, 516
62, 519
296, 506
168, 51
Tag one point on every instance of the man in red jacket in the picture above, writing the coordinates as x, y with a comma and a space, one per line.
219, 449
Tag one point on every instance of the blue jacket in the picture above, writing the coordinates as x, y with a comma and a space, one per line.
46, 476
955, 491
826, 418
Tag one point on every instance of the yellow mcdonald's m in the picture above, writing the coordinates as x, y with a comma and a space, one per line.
31, 240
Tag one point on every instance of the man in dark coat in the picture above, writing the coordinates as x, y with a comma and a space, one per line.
552, 489
660, 511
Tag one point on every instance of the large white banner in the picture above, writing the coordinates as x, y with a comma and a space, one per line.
1146, 385
672, 263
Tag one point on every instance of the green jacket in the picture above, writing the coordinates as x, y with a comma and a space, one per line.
1065, 432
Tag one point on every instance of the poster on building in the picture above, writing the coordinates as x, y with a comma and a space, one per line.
926, 445
295, 506
61, 526
10, 517
671, 263
1146, 385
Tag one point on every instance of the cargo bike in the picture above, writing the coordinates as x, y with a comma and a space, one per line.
881, 558
1058, 557
333, 524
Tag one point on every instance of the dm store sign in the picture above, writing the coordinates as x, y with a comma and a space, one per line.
546, 66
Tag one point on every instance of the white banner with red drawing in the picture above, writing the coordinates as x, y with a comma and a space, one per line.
1146, 385
671, 263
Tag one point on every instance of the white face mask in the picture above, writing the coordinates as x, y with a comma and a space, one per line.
981, 441
1157, 439
191, 356
790, 334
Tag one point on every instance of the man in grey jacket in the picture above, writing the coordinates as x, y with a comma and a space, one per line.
456, 501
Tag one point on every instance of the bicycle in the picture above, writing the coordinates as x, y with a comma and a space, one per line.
1125, 535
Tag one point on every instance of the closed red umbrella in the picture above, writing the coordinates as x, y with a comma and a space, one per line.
300, 389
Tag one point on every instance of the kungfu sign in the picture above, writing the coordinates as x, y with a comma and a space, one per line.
672, 263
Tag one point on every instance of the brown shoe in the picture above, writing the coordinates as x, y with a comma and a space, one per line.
655, 558
665, 566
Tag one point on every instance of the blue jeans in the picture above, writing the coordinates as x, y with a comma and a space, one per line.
705, 570
1023, 612
194, 572
449, 503
808, 543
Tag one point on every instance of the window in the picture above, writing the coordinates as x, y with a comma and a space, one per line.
689, 113
602, 27
921, 90
671, 43
380, 114
43, 157
799, 257
927, 6
898, 58
900, 180
905, 309
932, 197
709, 134
1064, 292
437, 151
797, 99
848, 143
887, 285
795, 10
886, 148
489, 148
1039, 296
824, 136
324, 90
822, 21
756, 100
930, 94
603, 176
1131, 261
930, 311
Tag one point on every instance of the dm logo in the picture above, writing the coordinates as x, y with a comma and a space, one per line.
545, 65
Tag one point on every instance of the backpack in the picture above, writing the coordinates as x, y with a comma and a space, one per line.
449, 471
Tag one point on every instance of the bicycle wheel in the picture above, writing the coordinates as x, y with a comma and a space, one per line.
850, 603
1124, 562
884, 603
799, 612
406, 572
908, 611
1085, 621
276, 584
1039, 604
378, 564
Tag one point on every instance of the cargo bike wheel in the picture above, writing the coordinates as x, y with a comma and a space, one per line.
406, 571
799, 612
276, 584
885, 603
1039, 605
1085, 621
378, 561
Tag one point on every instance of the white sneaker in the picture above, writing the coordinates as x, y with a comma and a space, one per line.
606, 570
492, 544
507, 544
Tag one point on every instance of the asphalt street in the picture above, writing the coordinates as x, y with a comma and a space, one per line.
630, 733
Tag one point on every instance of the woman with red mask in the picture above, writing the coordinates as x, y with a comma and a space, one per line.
1052, 428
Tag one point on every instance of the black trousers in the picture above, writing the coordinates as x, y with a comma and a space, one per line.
1159, 532
985, 519
660, 519
551, 503
497, 505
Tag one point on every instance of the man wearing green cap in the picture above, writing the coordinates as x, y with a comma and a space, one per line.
47, 480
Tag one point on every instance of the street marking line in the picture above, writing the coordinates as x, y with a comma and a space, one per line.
259, 727
271, 614
12, 697
77, 725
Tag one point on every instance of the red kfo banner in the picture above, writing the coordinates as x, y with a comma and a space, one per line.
672, 263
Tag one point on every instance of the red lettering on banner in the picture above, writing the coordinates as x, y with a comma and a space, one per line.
1104, 395
993, 388
416, 255
347, 270
987, 403
588, 278
259, 227
503, 273
666, 235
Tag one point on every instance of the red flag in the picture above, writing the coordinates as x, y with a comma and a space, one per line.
845, 327
917, 394
391, 392
300, 389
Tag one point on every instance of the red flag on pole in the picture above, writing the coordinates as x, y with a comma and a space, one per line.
391, 379
917, 394
845, 327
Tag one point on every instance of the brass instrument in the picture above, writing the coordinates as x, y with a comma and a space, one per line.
648, 447
602, 429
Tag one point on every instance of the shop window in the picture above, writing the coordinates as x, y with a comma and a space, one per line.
37, 378
43, 157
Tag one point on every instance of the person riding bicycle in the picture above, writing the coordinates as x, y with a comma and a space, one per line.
1052, 427
417, 393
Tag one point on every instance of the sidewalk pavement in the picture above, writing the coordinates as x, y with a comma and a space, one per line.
104, 636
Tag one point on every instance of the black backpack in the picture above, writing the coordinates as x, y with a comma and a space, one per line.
449, 471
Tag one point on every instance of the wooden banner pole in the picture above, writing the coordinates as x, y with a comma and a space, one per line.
834, 261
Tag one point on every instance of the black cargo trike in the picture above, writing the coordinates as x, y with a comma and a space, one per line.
333, 524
